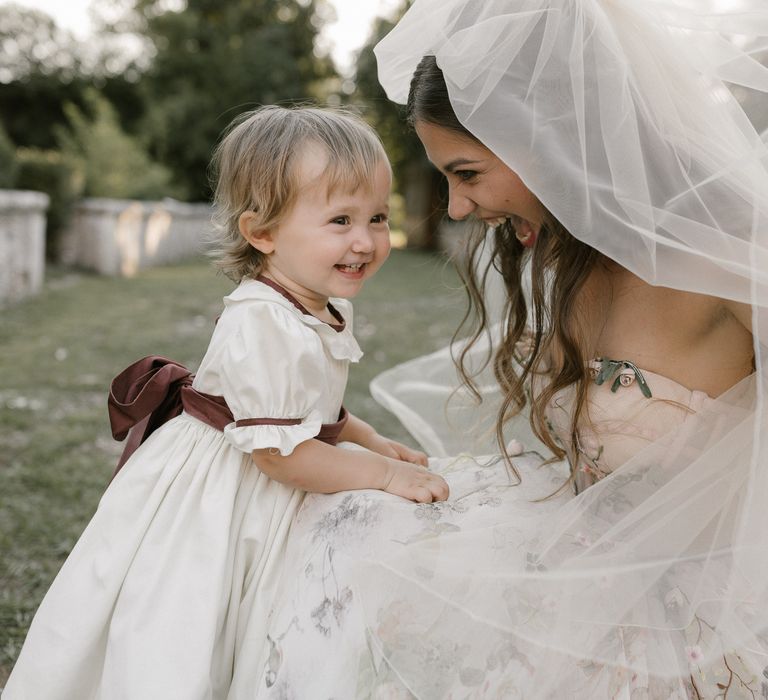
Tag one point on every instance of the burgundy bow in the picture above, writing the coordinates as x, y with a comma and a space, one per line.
153, 390
149, 393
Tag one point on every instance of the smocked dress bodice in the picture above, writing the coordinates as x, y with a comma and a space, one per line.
627, 408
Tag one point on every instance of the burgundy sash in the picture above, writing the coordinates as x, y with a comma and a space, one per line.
153, 390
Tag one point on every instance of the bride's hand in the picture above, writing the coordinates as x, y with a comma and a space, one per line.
414, 482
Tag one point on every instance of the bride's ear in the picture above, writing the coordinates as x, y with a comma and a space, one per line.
252, 230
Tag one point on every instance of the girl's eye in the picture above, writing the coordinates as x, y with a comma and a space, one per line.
341, 220
465, 175
379, 219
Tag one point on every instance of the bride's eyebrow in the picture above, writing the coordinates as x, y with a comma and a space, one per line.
457, 163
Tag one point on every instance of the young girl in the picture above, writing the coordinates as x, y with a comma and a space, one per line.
171, 583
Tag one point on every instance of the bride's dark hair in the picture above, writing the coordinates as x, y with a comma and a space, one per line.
560, 266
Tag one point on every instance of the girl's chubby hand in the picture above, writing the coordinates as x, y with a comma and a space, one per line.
414, 482
395, 450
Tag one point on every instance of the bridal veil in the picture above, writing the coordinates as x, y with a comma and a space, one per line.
620, 116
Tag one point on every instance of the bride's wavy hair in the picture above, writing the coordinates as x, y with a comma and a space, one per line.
560, 265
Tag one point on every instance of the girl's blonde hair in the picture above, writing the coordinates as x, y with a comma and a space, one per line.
255, 167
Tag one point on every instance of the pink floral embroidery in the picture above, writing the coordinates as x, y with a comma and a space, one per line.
694, 654
627, 377
583, 540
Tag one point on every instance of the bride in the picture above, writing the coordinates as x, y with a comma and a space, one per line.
615, 545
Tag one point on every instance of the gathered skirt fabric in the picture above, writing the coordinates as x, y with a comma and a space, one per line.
167, 591
325, 638
385, 598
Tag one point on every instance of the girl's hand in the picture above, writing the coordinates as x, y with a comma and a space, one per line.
395, 450
359, 432
414, 482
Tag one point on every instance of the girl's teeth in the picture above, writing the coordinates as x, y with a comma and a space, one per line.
354, 267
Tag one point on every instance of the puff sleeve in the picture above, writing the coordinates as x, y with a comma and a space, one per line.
271, 371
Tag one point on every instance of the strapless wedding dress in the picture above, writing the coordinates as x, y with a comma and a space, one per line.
391, 599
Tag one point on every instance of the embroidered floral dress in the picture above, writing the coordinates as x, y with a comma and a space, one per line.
170, 586
386, 598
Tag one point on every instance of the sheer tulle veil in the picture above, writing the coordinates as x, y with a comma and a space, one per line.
620, 116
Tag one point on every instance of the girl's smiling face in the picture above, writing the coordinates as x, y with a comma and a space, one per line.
328, 243
479, 183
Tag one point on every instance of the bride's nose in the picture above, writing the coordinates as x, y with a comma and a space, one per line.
459, 206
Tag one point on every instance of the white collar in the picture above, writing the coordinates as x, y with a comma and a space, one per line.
340, 343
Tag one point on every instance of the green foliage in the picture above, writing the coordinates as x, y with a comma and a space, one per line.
8, 163
39, 71
216, 59
42, 68
32, 44
204, 64
31, 108
112, 163
403, 147
409, 163
55, 174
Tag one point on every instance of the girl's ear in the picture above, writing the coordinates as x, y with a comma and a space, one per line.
251, 229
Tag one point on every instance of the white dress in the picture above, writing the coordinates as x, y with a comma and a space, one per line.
389, 599
170, 586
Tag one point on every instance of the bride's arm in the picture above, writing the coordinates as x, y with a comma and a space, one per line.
744, 315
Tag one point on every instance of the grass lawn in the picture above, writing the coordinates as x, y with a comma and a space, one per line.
59, 351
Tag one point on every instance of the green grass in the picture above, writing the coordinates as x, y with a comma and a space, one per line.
59, 351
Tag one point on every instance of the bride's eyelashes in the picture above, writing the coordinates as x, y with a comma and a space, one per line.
466, 175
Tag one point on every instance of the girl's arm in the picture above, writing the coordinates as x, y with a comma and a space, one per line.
361, 433
321, 468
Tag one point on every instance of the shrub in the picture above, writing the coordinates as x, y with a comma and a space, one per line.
113, 163
8, 163
53, 173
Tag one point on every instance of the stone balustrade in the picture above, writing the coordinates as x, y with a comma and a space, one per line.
22, 243
120, 237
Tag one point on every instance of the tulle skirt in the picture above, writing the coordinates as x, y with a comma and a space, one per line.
390, 599
335, 635
517, 587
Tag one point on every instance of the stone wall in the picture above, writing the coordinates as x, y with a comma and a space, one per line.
121, 237
22, 243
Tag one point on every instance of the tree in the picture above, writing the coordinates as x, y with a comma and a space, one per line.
202, 63
8, 163
112, 163
43, 67
215, 59
32, 44
420, 184
388, 118
39, 72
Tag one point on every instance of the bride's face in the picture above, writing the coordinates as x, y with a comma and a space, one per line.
479, 184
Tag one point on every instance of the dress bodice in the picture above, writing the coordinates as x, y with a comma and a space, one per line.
626, 409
